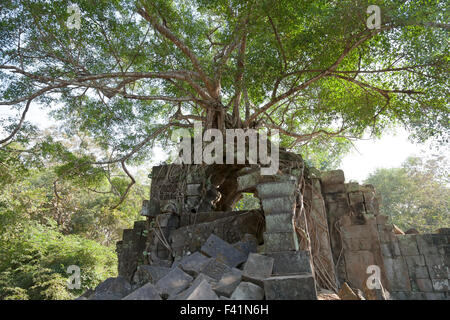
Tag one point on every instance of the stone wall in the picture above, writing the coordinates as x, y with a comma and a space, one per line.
307, 218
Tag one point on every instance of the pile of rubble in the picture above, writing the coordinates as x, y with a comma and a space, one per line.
219, 271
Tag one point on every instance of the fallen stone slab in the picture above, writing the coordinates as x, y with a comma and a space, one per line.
247, 244
146, 292
111, 289
184, 294
346, 293
223, 251
291, 262
257, 268
247, 291
228, 283
174, 282
202, 292
215, 269
193, 263
294, 287
146, 273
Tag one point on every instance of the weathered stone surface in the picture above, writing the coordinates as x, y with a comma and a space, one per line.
356, 263
223, 251
424, 285
278, 205
276, 189
280, 241
146, 273
440, 285
146, 292
257, 268
193, 263
333, 188
249, 181
390, 249
332, 177
291, 262
216, 269
445, 231
247, 244
295, 287
130, 250
202, 292
231, 229
111, 289
174, 282
279, 222
184, 294
248, 291
425, 245
397, 274
228, 283
437, 267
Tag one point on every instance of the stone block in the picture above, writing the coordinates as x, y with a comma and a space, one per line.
228, 283
360, 231
397, 274
355, 197
279, 222
223, 251
193, 263
216, 269
332, 177
247, 291
390, 249
202, 292
357, 244
247, 244
425, 245
280, 241
408, 245
231, 229
146, 292
291, 262
276, 189
173, 283
445, 231
146, 273
184, 294
112, 289
352, 187
294, 287
249, 181
257, 268
440, 285
333, 188
424, 285
437, 267
278, 205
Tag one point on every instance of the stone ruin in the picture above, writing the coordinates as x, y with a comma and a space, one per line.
313, 234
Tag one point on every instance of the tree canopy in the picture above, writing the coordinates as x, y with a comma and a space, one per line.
135, 70
417, 194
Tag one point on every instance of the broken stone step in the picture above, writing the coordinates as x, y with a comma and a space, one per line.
291, 262
193, 263
112, 289
228, 283
173, 283
146, 292
276, 189
223, 251
146, 273
279, 222
280, 241
248, 291
295, 287
197, 291
215, 269
257, 268
278, 205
